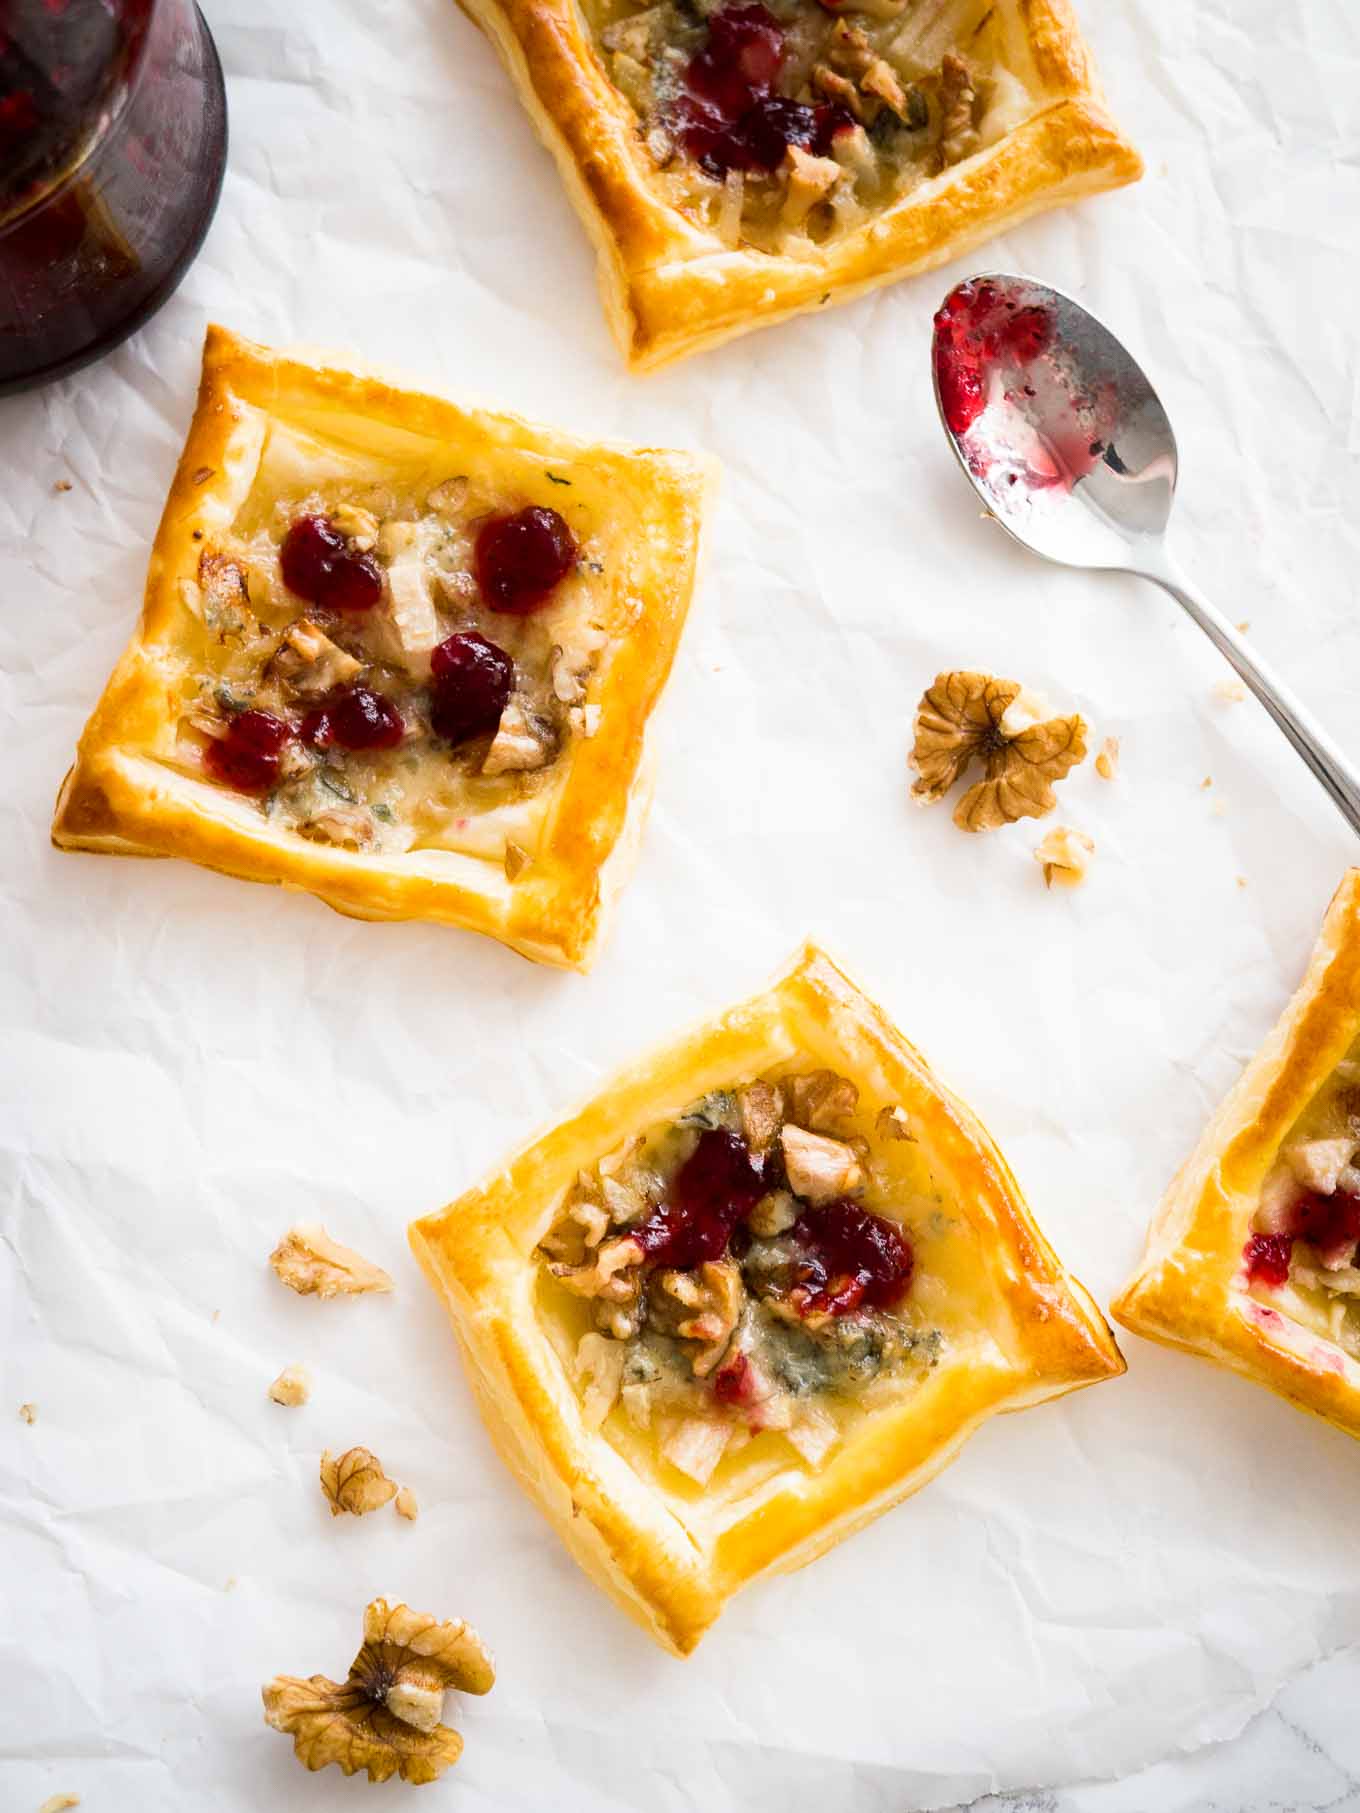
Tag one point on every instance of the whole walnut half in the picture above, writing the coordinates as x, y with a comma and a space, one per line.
385, 1716
966, 718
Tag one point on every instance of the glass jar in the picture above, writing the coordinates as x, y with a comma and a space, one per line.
113, 137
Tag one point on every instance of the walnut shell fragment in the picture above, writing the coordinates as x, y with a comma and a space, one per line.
960, 720
312, 1264
355, 1482
385, 1716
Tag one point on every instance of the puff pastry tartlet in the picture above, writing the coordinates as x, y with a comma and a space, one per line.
1253, 1259
736, 163
756, 1292
399, 654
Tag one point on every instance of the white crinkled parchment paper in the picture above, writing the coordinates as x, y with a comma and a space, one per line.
190, 1063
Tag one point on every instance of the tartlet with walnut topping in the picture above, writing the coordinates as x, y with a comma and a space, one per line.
738, 161
756, 1292
398, 654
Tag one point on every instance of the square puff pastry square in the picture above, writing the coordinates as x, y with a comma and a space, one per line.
675, 279
1017, 1328
534, 865
1192, 1289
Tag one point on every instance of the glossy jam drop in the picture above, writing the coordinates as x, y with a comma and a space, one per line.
854, 1258
521, 558
247, 757
978, 328
357, 718
319, 565
717, 1186
729, 116
472, 679
1267, 1258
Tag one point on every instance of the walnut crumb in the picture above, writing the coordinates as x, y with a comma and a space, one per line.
292, 1387
312, 1264
57, 1803
385, 1716
62, 484
406, 1505
958, 97
1065, 856
1230, 692
892, 1123
355, 1482
1107, 762
28, 1413
358, 526
963, 718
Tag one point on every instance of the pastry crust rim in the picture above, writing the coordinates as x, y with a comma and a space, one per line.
117, 798
1184, 1292
478, 1255
670, 288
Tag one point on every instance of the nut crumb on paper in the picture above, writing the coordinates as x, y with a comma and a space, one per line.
385, 1716
1065, 856
406, 1505
1107, 762
62, 484
293, 1386
309, 1262
28, 1413
1231, 692
970, 717
56, 1803
355, 1482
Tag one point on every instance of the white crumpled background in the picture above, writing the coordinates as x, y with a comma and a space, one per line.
191, 1063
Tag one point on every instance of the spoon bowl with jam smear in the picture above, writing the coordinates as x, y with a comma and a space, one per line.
1066, 442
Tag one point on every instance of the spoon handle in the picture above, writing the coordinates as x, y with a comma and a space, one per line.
1303, 730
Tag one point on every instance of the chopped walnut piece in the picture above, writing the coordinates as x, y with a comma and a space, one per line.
892, 1123
774, 1214
818, 1169
405, 1505
28, 1413
312, 1264
1231, 692
384, 1718
521, 742
292, 1387
344, 827
309, 662
820, 1099
959, 721
606, 1275
57, 1803
836, 87
762, 1109
712, 1298
1107, 762
355, 1482
958, 135
1065, 856
585, 719
582, 1225
359, 527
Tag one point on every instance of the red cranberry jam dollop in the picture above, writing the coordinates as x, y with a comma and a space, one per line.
1267, 1258
320, 566
472, 679
976, 328
853, 1258
247, 757
729, 116
357, 718
717, 1186
520, 559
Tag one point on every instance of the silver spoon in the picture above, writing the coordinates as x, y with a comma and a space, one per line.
1067, 444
